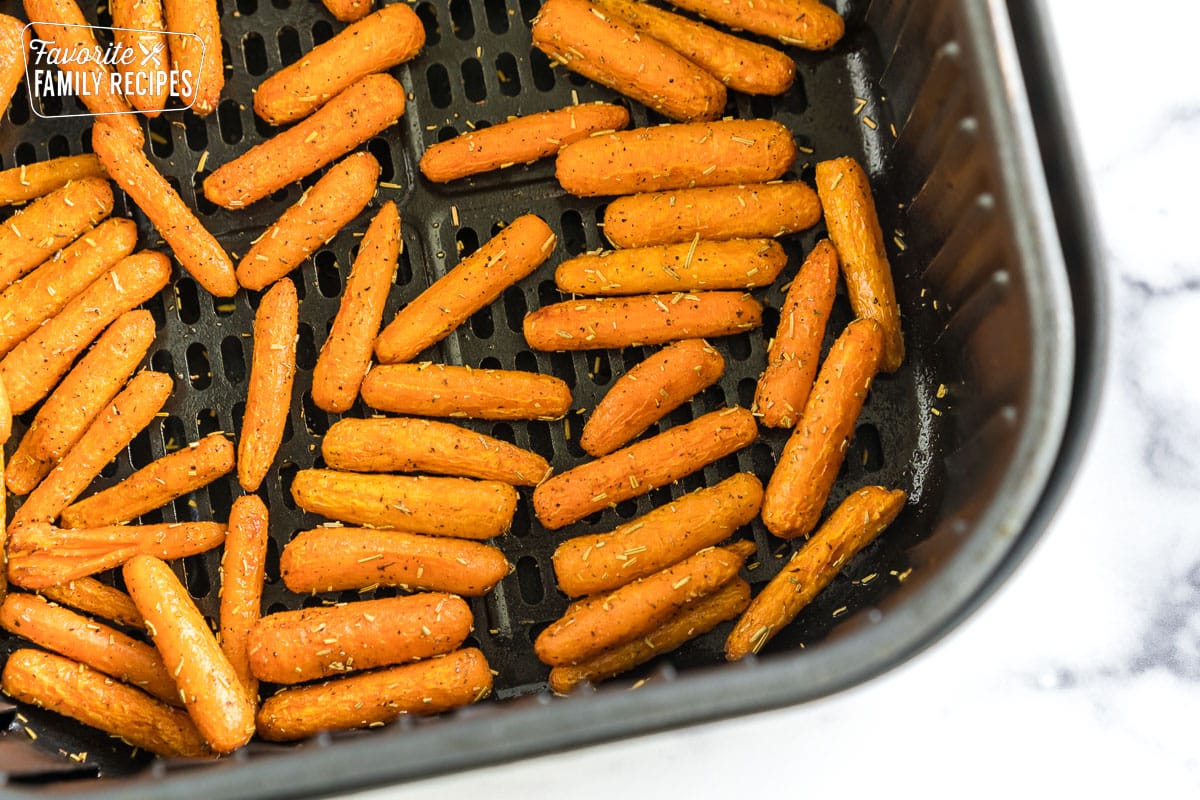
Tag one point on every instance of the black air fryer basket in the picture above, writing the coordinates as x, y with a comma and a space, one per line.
972, 168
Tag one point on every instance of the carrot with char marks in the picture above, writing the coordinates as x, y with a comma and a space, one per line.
478, 280
96, 598
198, 53
138, 28
422, 445
609, 322
346, 354
857, 521
650, 391
676, 157
214, 697
814, 452
809, 24
35, 232
12, 64
793, 354
243, 570
272, 371
694, 266
518, 140
607, 50
441, 390
31, 181
339, 559
361, 701
572, 495
77, 691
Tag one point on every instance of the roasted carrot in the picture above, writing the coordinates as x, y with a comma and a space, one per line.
31, 181
348, 10
243, 570
593, 625
392, 35
694, 266
35, 232
458, 507
440, 390
602, 562
793, 354
740, 64
810, 460
12, 63
722, 212
854, 228
272, 371
676, 157
6, 431
695, 619
77, 691
346, 355
80, 639
165, 540
40, 569
479, 279
364, 109
337, 559
5, 419
199, 54
88, 388
214, 697
650, 391
607, 50
98, 599
195, 248
607, 322
374, 699
642, 467
422, 445
322, 211
857, 521
809, 24
138, 27
518, 140
312, 643
155, 484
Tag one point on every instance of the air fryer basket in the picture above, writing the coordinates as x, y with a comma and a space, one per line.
928, 94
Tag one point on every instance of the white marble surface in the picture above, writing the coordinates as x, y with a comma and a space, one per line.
1082, 673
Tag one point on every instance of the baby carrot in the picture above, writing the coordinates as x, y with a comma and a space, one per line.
138, 28
272, 370
35, 232
31, 181
96, 598
348, 10
809, 24
440, 390
199, 53
12, 63
243, 570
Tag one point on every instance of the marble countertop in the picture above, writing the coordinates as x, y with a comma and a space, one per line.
1080, 675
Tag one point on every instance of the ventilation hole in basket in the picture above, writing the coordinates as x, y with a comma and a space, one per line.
762, 107
740, 346
199, 368
139, 450
574, 237
526, 361
770, 324
682, 415
535, 630
515, 309
466, 241
196, 572
521, 525
203, 204
229, 120
506, 72
627, 509
58, 146
481, 323
313, 601
236, 414
254, 54
287, 474
543, 72
564, 367
18, 109
329, 280
868, 446
52, 105
247, 6
840, 316
288, 430
271, 570
529, 581
575, 79
233, 359
489, 362
110, 469
762, 458
289, 45
660, 496
540, 438
188, 301
160, 137
574, 448
504, 432
162, 362
195, 133
497, 15
746, 387
404, 273
548, 294
264, 129
437, 78
173, 434
601, 368
446, 133
220, 500
152, 517
712, 397
428, 15
473, 85
322, 32
461, 20
316, 421
25, 154
306, 350
378, 147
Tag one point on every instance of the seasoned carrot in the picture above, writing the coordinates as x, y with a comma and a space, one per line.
602, 562
695, 619
12, 63
364, 109
642, 467
199, 54
722, 212
6, 430
457, 507
31, 181
809, 24
138, 27
155, 484
77, 691
694, 266
272, 371
518, 140
98, 599
312, 643
195, 248
607, 50
741, 65
243, 570
854, 228
214, 697
422, 445
337, 559
479, 279
607, 322
5, 419
348, 10
88, 388
593, 625
39, 570
650, 391
79, 638
810, 460
346, 354
676, 157
796, 349
857, 521
35, 232
322, 211
361, 701
440, 390
392, 35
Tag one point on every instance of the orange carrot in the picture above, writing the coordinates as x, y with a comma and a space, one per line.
348, 10
809, 24
12, 63
440, 390
5, 432
34, 233
31, 181
243, 570
698, 266
96, 598
38, 570
138, 27
272, 370
199, 54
